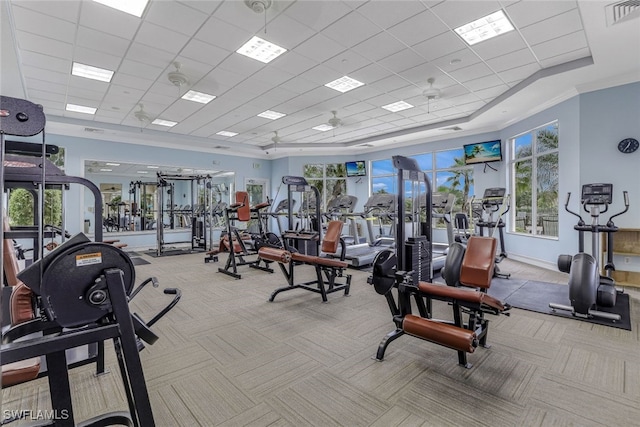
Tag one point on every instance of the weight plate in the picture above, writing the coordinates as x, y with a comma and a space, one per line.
384, 268
72, 272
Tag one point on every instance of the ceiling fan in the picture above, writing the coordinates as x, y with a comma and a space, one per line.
431, 93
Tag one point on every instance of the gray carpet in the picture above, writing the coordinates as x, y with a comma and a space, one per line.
227, 357
536, 296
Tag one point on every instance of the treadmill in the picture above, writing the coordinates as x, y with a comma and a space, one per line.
441, 207
378, 206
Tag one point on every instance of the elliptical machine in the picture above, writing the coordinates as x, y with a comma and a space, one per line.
588, 290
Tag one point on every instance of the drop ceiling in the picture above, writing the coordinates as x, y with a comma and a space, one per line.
557, 50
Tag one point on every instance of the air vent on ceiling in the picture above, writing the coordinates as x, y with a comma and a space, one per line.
94, 130
622, 11
455, 128
221, 147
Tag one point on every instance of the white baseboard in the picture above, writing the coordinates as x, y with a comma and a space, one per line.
534, 261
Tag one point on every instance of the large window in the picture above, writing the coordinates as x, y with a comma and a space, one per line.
330, 180
534, 180
451, 175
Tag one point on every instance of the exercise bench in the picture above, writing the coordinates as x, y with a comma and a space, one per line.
329, 271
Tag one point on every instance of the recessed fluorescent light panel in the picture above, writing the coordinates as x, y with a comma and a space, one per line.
226, 133
153, 167
485, 28
323, 128
142, 172
260, 49
106, 170
161, 122
132, 7
344, 84
112, 164
397, 106
89, 72
273, 115
201, 97
81, 109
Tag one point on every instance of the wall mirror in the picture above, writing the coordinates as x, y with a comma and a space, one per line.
131, 194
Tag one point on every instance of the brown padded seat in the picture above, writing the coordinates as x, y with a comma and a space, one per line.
440, 333
479, 262
260, 206
332, 237
21, 310
242, 200
480, 298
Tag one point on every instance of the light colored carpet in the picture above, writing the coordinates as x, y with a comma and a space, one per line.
227, 357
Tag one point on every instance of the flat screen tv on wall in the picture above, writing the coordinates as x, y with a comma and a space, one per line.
357, 168
482, 152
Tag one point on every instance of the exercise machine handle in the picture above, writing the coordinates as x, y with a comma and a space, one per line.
566, 207
169, 291
625, 195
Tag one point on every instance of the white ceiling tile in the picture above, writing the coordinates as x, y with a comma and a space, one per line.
439, 46
418, 75
66, 10
132, 82
321, 75
38, 76
241, 65
485, 82
286, 32
319, 48
560, 45
88, 94
40, 95
207, 6
210, 54
525, 13
181, 109
273, 76
385, 14
491, 92
122, 96
457, 13
342, 31
83, 83
517, 74
34, 43
225, 78
237, 13
421, 27
140, 53
393, 82
293, 62
280, 94
45, 25
193, 69
96, 59
370, 73
552, 28
101, 42
167, 40
317, 14
402, 60
46, 62
501, 45
108, 20
167, 98
471, 72
139, 69
379, 46
223, 34
456, 60
512, 60
175, 16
